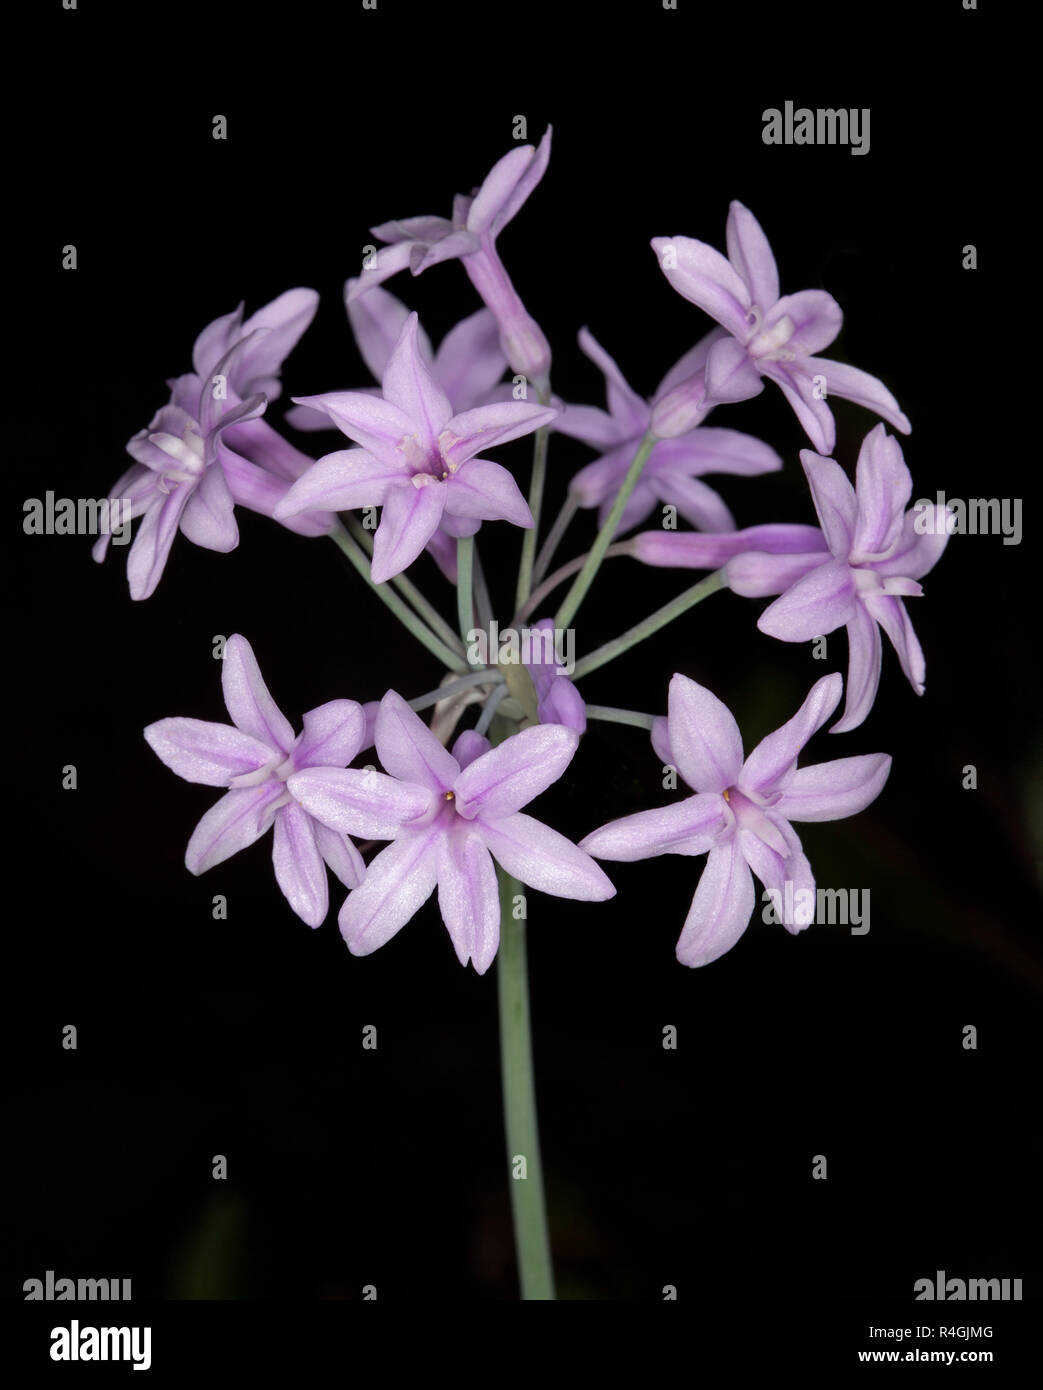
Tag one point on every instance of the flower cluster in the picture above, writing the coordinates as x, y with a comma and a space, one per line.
426, 449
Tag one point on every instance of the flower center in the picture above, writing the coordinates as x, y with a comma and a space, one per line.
769, 344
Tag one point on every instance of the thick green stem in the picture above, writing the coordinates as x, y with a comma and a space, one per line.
539, 477
525, 1169
651, 624
428, 612
585, 578
423, 634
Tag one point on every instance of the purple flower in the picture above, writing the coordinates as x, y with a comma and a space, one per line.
874, 559
419, 242
764, 336
794, 549
190, 464
674, 466
417, 460
254, 760
468, 364
449, 815
557, 699
741, 814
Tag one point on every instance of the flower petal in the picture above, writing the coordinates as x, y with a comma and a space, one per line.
247, 698
816, 317
341, 481
721, 909
469, 361
833, 790
750, 253
883, 486
893, 617
628, 408
286, 318
511, 775
507, 185
203, 752
409, 519
851, 384
340, 854
332, 735
209, 516
729, 374
834, 499
695, 500
820, 602
703, 276
233, 823
541, 858
775, 757
397, 884
476, 430
468, 897
863, 668
484, 491
409, 750
806, 397
299, 868
151, 546
377, 319
408, 384
369, 420
687, 827
704, 737
359, 801
925, 534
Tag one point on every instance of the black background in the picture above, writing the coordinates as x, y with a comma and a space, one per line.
350, 1168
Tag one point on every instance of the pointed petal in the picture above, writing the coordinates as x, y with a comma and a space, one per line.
247, 698
795, 907
541, 858
893, 617
687, 827
775, 757
397, 884
340, 854
704, 277
695, 500
628, 408
711, 450
448, 248
683, 550
409, 519
341, 481
691, 364
925, 534
796, 381
833, 790
484, 491
377, 319
468, 897
851, 384
408, 384
863, 668
215, 340
426, 229
883, 486
263, 492
332, 735
816, 317
823, 600
369, 420
511, 775
358, 801
409, 750
299, 868
388, 261
730, 375
286, 318
750, 253
721, 909
477, 430
209, 516
704, 737
834, 500
588, 423
151, 546
756, 575
208, 753
599, 481
233, 823
469, 361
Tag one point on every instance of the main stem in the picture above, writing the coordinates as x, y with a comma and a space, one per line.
528, 1206
585, 578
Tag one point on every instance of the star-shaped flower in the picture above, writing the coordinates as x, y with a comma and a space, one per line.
417, 460
672, 472
467, 365
764, 336
741, 813
449, 815
875, 558
208, 449
470, 236
254, 761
